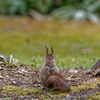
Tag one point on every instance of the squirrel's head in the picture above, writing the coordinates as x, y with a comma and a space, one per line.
49, 57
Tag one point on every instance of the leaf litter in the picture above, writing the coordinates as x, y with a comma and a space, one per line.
28, 77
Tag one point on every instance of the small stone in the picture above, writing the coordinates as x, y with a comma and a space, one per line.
14, 82
35, 85
67, 96
1, 77
1, 68
23, 70
73, 71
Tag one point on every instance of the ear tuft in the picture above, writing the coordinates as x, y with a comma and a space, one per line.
52, 50
46, 49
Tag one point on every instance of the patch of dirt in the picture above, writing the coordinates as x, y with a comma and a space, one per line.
22, 76
17, 98
28, 77
77, 75
82, 95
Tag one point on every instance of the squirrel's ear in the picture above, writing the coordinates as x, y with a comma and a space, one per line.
52, 50
46, 49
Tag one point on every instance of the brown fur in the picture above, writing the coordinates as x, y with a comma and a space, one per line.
49, 66
50, 75
58, 82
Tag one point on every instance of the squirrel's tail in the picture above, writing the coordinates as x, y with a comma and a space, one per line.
58, 82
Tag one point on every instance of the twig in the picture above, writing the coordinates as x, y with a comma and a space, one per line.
51, 96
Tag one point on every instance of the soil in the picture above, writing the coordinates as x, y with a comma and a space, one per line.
28, 77
82, 95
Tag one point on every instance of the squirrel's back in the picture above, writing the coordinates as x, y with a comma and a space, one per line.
49, 67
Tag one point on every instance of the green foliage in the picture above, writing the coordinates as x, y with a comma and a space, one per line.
78, 10
10, 63
70, 2
43, 6
41, 85
7, 99
13, 7
65, 9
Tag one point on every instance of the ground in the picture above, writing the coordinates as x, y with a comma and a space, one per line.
23, 83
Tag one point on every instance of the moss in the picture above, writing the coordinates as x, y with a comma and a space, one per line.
43, 96
93, 84
19, 91
96, 96
12, 90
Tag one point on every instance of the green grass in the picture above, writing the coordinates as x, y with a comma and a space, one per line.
75, 43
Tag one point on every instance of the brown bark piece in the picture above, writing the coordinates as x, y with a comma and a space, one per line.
96, 65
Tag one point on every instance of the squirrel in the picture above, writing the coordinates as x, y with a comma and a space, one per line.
50, 75
49, 66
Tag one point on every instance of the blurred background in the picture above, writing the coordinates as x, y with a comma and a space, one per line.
60, 9
71, 26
